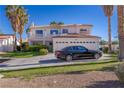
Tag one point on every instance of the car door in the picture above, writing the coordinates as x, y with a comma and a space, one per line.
82, 51
76, 52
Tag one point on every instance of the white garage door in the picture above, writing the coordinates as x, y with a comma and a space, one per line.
59, 43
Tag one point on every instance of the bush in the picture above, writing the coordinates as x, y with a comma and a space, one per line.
18, 48
36, 48
43, 51
50, 49
105, 49
25, 47
120, 72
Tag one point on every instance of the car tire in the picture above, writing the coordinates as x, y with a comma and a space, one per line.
68, 58
96, 56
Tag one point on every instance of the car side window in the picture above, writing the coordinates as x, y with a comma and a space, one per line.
74, 48
81, 48
70, 48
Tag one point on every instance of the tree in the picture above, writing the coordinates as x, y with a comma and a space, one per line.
108, 10
11, 13
23, 19
115, 42
103, 42
120, 9
56, 25
53, 23
27, 31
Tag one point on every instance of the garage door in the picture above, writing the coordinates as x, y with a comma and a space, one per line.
90, 44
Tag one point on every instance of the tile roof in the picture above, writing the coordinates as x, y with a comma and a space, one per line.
4, 36
76, 36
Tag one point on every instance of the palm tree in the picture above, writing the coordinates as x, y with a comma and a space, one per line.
27, 31
108, 10
11, 13
53, 22
56, 25
120, 9
23, 19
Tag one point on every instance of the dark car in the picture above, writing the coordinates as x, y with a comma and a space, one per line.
76, 52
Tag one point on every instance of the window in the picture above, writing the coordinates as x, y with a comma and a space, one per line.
39, 33
53, 32
65, 31
83, 29
68, 48
50, 43
81, 48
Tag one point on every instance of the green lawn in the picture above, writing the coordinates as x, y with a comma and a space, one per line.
20, 54
79, 68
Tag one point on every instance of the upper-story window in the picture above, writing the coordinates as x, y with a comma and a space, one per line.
39, 33
54, 32
83, 29
65, 31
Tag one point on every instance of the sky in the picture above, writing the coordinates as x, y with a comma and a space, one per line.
69, 14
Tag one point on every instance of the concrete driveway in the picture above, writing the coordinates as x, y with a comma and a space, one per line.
42, 61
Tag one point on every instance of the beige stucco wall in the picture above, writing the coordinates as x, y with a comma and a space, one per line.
48, 37
59, 46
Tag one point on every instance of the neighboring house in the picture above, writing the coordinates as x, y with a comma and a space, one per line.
67, 35
6, 42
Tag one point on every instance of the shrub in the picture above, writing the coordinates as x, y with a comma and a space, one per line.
36, 48
25, 47
43, 51
44, 47
105, 50
120, 72
50, 49
18, 48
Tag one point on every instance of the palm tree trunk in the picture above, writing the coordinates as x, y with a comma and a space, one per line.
20, 41
27, 43
109, 34
121, 32
15, 40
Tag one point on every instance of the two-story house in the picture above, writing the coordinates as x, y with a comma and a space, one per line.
64, 35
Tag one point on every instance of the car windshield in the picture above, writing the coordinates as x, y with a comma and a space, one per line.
81, 48
67, 48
